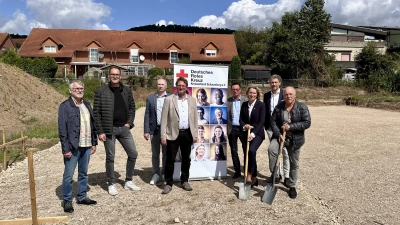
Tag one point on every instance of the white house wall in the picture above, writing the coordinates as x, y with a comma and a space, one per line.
337, 48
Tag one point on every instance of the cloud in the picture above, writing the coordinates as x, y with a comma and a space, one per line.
354, 12
82, 14
164, 23
18, 24
248, 12
364, 12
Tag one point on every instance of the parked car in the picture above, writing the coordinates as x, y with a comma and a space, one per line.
349, 74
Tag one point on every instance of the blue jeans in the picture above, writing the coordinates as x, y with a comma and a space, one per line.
124, 136
81, 157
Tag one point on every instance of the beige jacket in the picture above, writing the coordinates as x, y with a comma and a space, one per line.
170, 118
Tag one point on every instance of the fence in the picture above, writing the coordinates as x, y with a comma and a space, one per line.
4, 145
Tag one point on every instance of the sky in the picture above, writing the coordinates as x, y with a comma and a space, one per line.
20, 16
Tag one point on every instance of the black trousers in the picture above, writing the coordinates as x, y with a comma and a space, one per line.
254, 145
183, 142
236, 133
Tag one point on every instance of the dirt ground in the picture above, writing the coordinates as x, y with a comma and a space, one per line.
348, 175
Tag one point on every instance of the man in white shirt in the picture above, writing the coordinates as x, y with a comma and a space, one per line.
152, 123
271, 100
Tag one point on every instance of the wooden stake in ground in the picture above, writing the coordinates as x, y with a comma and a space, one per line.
5, 153
32, 187
35, 220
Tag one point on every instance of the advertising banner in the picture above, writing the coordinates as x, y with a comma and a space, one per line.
208, 84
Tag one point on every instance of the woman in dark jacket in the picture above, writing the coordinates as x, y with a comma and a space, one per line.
252, 116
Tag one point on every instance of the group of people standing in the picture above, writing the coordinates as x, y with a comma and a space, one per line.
171, 125
278, 113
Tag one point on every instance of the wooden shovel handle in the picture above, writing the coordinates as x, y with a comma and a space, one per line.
247, 154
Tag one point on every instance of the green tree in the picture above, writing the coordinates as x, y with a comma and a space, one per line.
379, 71
250, 44
296, 46
235, 69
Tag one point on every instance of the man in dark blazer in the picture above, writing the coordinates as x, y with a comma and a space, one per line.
152, 123
271, 100
234, 104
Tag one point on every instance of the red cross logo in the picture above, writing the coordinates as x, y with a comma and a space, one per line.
182, 74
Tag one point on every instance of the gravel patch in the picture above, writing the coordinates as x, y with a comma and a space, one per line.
348, 175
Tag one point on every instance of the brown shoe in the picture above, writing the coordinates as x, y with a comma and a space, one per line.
167, 189
186, 186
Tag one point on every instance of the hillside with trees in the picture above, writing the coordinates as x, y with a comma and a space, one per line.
182, 29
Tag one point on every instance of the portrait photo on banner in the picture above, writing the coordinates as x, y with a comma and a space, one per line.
202, 96
203, 134
188, 90
218, 134
218, 152
200, 152
203, 115
218, 115
219, 96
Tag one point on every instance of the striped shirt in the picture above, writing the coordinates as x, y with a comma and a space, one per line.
85, 139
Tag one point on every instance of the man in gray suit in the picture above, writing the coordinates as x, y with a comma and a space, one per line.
152, 123
178, 131
234, 130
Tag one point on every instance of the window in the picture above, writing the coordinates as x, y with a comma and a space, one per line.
173, 57
345, 57
134, 56
93, 56
211, 53
140, 70
49, 48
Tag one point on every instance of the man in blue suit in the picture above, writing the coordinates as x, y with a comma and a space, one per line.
152, 122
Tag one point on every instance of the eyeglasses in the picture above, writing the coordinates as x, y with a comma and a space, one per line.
115, 74
235, 89
78, 89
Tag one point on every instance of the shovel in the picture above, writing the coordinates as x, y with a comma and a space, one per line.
244, 188
271, 190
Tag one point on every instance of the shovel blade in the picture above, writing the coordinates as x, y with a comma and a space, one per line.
244, 191
269, 194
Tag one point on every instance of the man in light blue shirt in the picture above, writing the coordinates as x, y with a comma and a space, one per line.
152, 123
234, 130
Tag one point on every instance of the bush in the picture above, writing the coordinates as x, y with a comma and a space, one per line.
138, 81
90, 88
39, 67
155, 71
185, 60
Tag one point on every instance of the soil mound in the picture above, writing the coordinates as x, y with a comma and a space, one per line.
25, 99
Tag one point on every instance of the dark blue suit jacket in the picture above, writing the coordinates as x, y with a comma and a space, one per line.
267, 102
256, 119
150, 115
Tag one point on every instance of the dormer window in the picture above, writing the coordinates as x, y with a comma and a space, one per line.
49, 48
211, 53
173, 56
134, 56
94, 55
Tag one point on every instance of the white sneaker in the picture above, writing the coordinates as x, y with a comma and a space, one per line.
129, 185
155, 179
112, 190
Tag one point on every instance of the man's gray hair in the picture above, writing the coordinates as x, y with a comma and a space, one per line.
76, 81
276, 76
